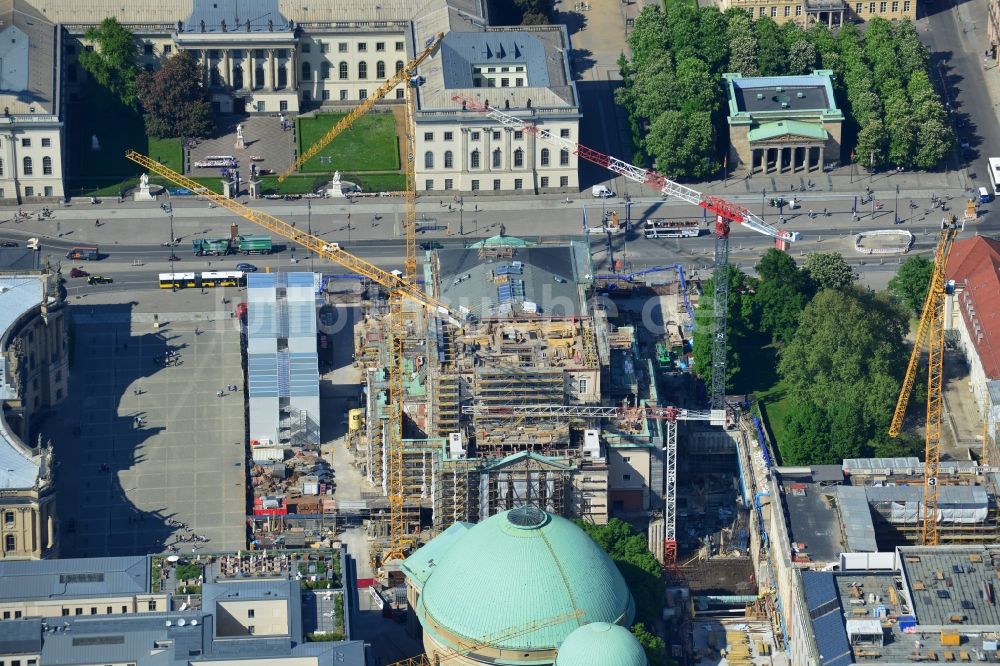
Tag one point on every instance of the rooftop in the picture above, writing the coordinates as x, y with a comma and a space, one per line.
536, 280
217, 16
28, 55
777, 96
975, 265
948, 585
19, 294
74, 578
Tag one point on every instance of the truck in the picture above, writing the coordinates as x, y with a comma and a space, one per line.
601, 192
83, 253
255, 244
210, 246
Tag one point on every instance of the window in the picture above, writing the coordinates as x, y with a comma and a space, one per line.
762, 10
474, 159
496, 184
380, 46
30, 192
504, 82
324, 71
518, 183
65, 612
857, 8
518, 158
362, 70
428, 160
449, 184
151, 605
380, 69
250, 612
363, 94
626, 477
583, 384
362, 47
518, 135
400, 46
124, 609
881, 7
564, 133
399, 66
798, 10
520, 82
473, 136
47, 190
6, 615
906, 5
428, 136
774, 11
8, 518
475, 185
449, 136
449, 161
496, 136
545, 181
93, 610
323, 47
626, 459
497, 158
147, 49
341, 47
429, 184
871, 7
326, 95
305, 47
563, 157
46, 143
283, 105
17, 615
109, 610
250, 629
78, 611
545, 156
787, 10
28, 170
343, 95
26, 143
563, 181
343, 70
400, 93
895, 6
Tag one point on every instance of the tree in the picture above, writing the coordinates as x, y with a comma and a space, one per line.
843, 370
656, 649
713, 46
782, 292
683, 144
829, 270
801, 57
651, 89
743, 55
174, 102
902, 129
741, 288
113, 63
911, 282
648, 39
696, 89
772, 59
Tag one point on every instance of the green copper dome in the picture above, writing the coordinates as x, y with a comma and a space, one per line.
601, 644
515, 568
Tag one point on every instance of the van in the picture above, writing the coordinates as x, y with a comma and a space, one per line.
601, 192
984, 195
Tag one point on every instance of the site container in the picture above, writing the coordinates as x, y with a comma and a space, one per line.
210, 246
255, 244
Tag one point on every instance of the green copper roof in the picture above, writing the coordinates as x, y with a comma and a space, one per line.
601, 644
783, 127
519, 567
419, 566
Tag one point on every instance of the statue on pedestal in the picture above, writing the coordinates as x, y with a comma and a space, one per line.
240, 143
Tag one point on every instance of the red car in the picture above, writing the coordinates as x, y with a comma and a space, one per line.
78, 273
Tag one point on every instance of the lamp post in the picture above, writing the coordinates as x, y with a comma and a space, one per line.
895, 215
461, 216
309, 219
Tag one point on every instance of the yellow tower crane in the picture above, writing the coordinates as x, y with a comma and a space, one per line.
931, 330
468, 647
398, 287
408, 71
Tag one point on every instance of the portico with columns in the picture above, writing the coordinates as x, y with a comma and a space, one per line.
783, 124
248, 65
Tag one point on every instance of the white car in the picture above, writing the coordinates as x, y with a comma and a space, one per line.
331, 247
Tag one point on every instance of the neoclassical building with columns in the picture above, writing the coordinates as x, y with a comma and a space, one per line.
295, 56
783, 124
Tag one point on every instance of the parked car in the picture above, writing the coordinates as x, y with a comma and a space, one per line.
99, 279
246, 268
78, 273
8, 243
431, 245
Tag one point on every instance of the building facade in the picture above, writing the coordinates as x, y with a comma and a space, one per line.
291, 57
833, 13
780, 124
31, 127
34, 373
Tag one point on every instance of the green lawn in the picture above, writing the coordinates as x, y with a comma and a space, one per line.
106, 171
776, 407
759, 375
369, 145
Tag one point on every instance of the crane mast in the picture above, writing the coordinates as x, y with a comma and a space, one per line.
931, 330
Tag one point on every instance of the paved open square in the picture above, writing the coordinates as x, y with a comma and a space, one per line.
145, 442
263, 136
